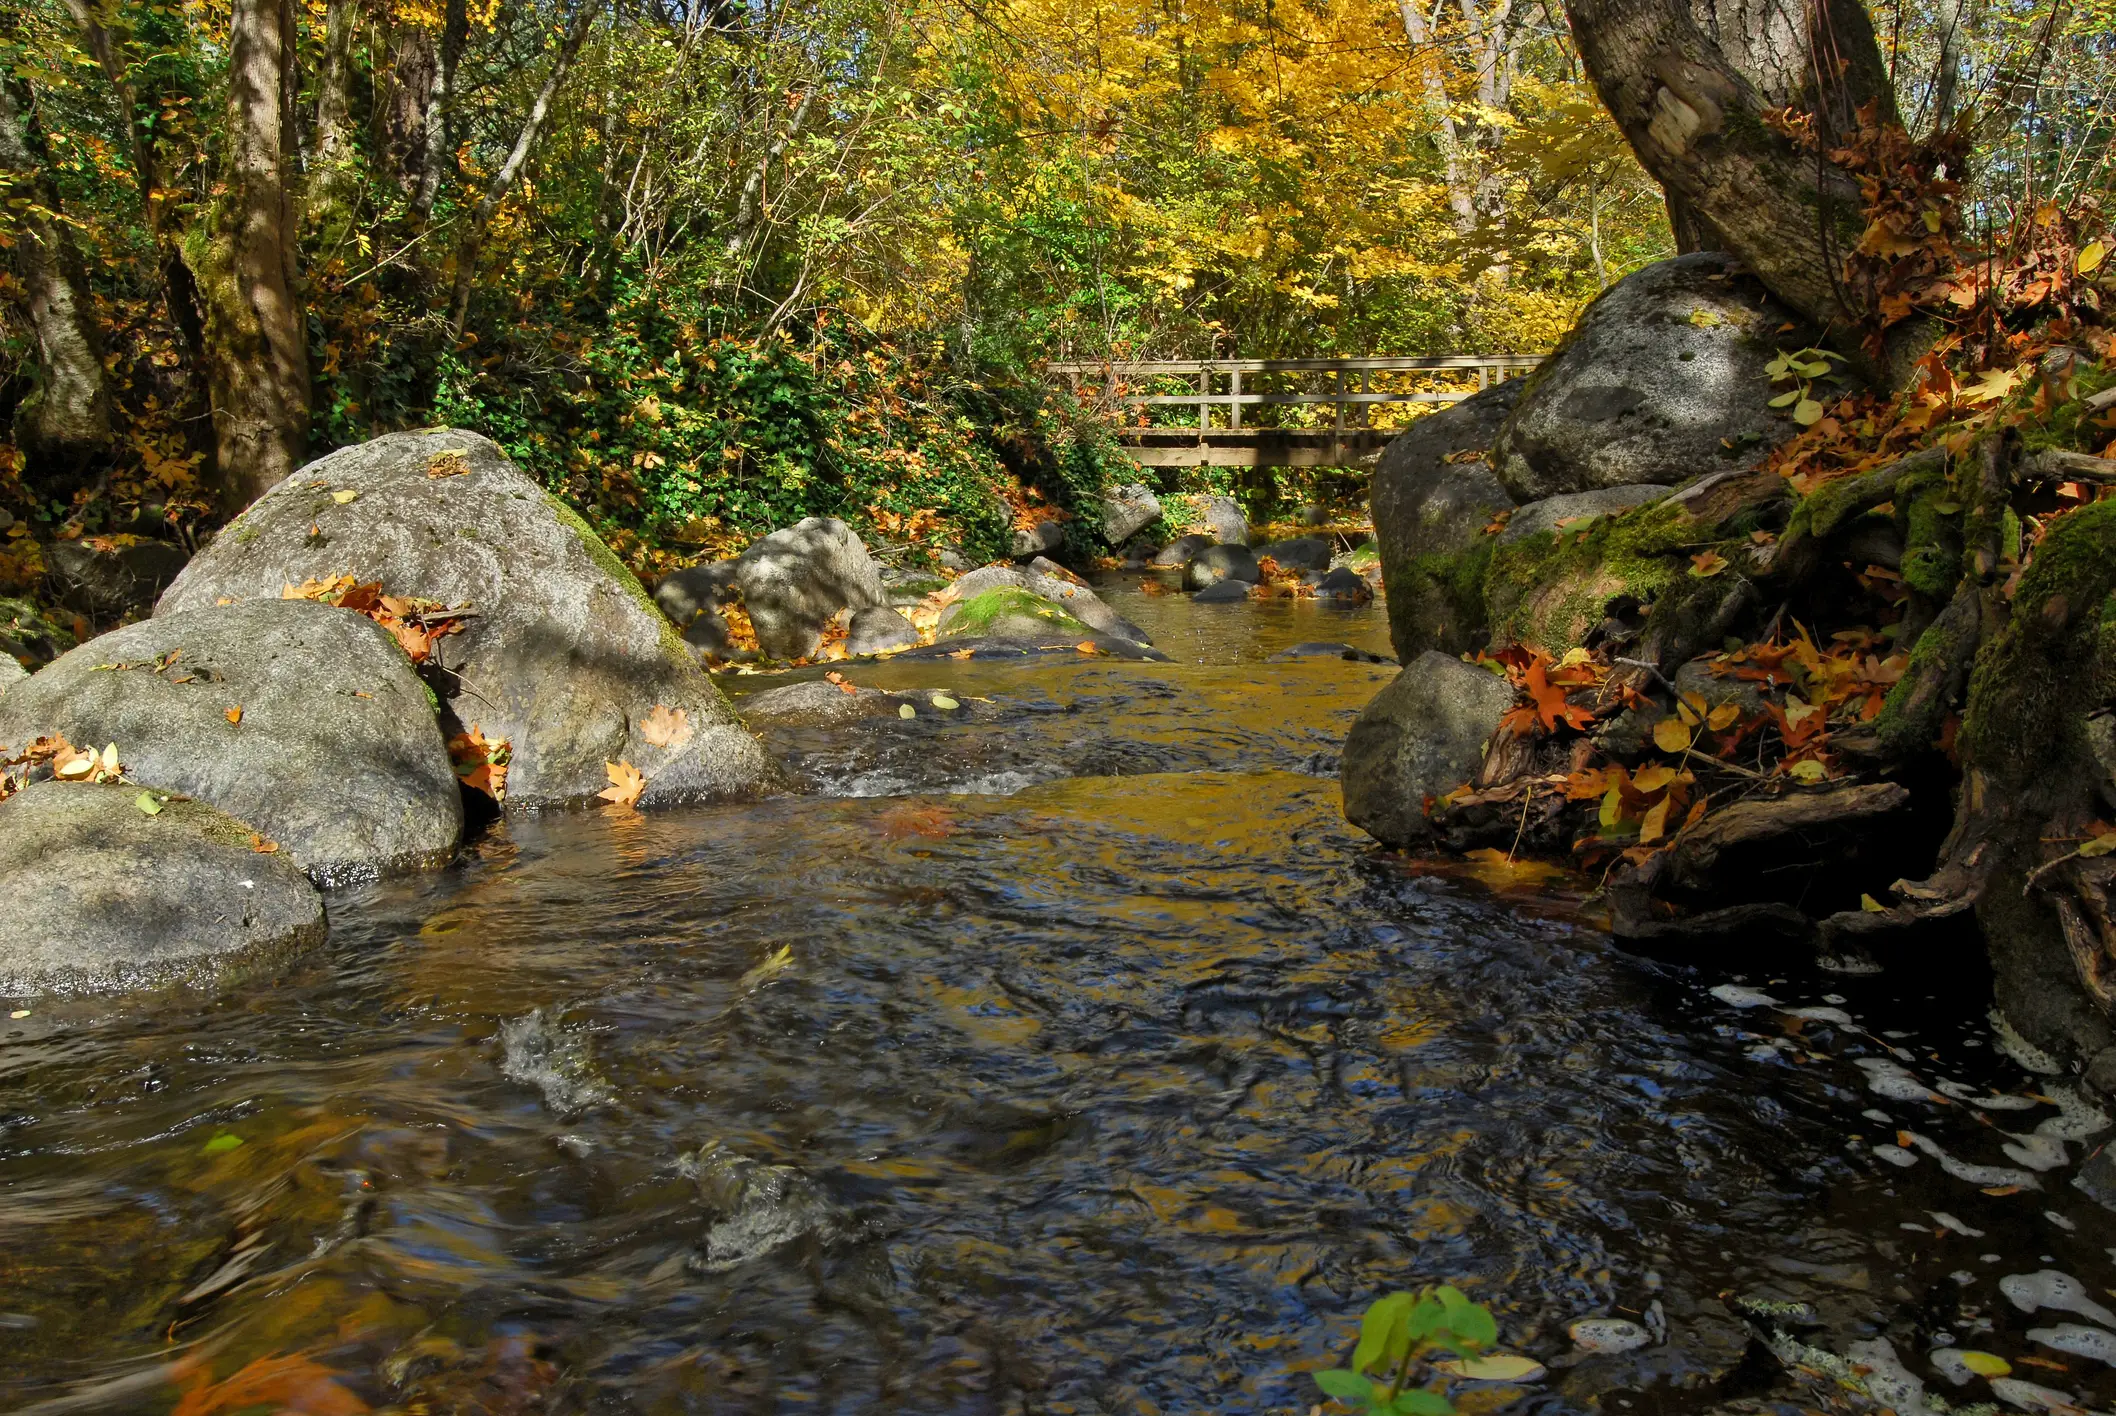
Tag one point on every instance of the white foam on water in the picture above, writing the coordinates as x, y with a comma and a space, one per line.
1991, 1175
1947, 1361
2030, 1397
1892, 1080
1948, 1221
1896, 1155
2077, 1118
2079, 1340
1822, 1015
2026, 1053
2037, 1152
1607, 1335
1888, 1381
1735, 996
537, 1053
2031, 1292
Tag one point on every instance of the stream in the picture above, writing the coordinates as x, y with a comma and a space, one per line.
1061, 1053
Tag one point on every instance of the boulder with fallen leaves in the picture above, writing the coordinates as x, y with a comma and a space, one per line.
305, 720
550, 643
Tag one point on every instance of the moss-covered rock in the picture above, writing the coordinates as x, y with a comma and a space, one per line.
1432, 502
1549, 591
1010, 612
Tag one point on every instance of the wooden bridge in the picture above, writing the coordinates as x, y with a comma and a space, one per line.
1344, 391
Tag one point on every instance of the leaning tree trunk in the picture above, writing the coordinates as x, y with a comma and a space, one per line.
1690, 85
257, 348
65, 423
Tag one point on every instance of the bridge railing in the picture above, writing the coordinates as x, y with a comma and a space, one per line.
1219, 384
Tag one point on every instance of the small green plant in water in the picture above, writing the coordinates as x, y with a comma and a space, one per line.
1396, 1333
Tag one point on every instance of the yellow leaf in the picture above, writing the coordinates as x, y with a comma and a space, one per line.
1807, 412
1986, 1364
1655, 823
907, 711
1670, 735
1574, 655
1722, 717
1809, 772
1493, 1367
1706, 564
342, 498
1705, 319
1992, 384
2090, 256
2099, 846
1612, 808
626, 783
1871, 905
1652, 779
235, 714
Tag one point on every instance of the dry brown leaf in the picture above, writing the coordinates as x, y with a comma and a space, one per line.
666, 727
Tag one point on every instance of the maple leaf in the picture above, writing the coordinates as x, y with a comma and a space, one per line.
666, 727
1551, 705
626, 784
481, 762
1706, 564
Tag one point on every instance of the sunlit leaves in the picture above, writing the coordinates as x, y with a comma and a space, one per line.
1402, 1329
626, 784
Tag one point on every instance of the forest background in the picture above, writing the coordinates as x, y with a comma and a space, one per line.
707, 268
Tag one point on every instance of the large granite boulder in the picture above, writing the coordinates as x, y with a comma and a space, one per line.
565, 656
302, 719
104, 896
877, 631
693, 598
11, 672
1575, 510
1661, 380
1010, 612
1209, 513
1128, 510
1434, 493
795, 581
1422, 736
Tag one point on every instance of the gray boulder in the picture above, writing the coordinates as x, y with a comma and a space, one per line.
1210, 513
795, 581
1422, 736
1217, 563
108, 576
1662, 379
1224, 592
1128, 510
1429, 520
103, 897
1177, 553
692, 599
11, 672
1300, 553
566, 657
1342, 588
1540, 518
335, 753
1043, 536
877, 630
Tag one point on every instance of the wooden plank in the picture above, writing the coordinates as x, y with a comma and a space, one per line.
1268, 366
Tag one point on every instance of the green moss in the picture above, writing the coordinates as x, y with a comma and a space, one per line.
1440, 600
1932, 536
982, 612
1549, 591
2060, 428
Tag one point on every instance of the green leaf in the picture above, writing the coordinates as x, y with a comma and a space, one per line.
1344, 1385
942, 700
1429, 1317
1381, 1335
1422, 1403
1474, 1327
1814, 369
907, 711
147, 804
223, 1143
1786, 400
1807, 412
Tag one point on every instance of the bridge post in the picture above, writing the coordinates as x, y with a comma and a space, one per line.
1234, 398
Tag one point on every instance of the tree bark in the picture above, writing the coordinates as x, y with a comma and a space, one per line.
257, 345
65, 422
332, 183
473, 238
440, 122
179, 290
1691, 100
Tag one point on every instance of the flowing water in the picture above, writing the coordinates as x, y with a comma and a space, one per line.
1061, 1052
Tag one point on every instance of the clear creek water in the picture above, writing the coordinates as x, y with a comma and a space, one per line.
1062, 1053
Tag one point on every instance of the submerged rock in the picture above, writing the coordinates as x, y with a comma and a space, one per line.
758, 1207
302, 719
1432, 500
796, 581
103, 897
565, 657
1319, 649
1420, 737
1217, 563
1224, 592
1343, 588
1662, 379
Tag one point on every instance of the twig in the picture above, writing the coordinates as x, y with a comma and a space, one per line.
1651, 668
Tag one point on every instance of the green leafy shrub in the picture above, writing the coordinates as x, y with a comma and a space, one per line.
1399, 1331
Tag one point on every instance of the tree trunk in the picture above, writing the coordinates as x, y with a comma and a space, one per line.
333, 174
257, 347
179, 290
1691, 96
65, 422
503, 180
439, 124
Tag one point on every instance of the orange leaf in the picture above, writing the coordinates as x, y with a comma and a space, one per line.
1549, 699
278, 1384
235, 714
626, 784
263, 847
1088, 646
